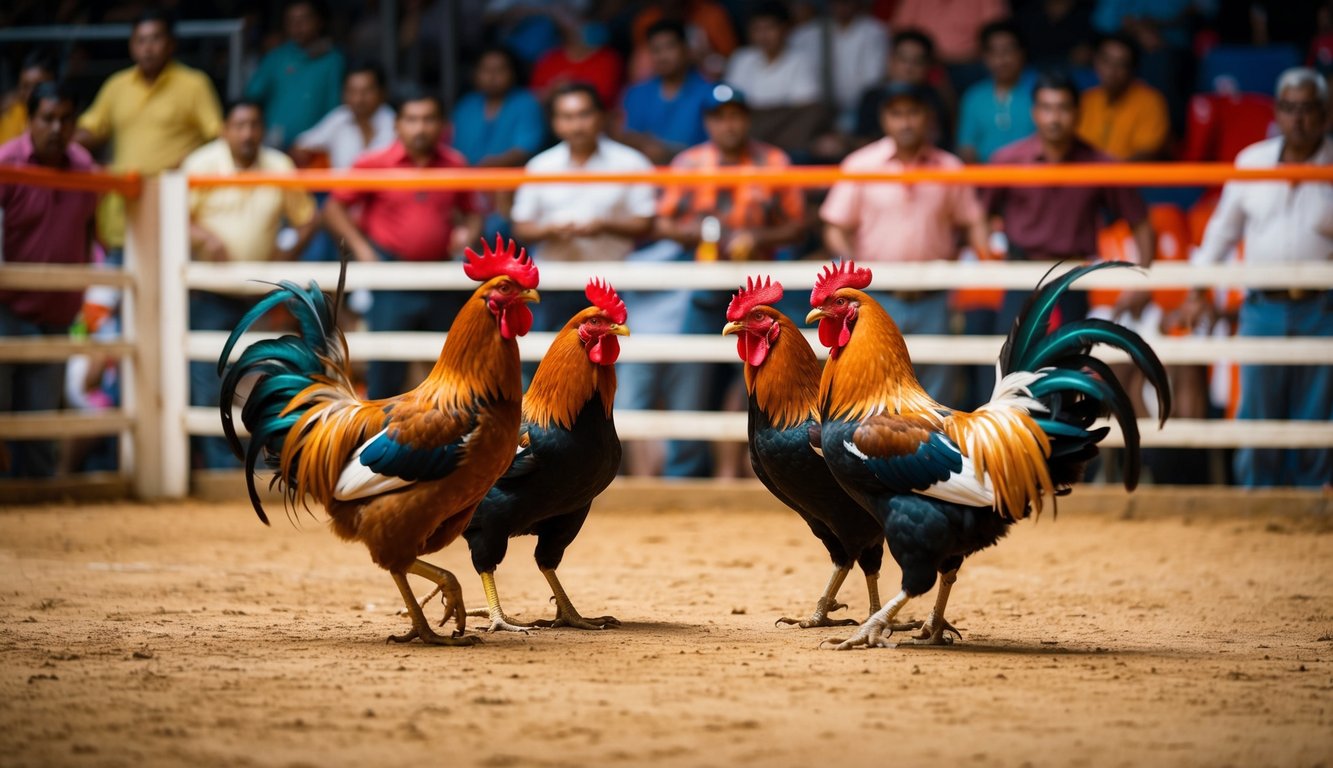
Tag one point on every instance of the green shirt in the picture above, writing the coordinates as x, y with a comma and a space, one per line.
296, 89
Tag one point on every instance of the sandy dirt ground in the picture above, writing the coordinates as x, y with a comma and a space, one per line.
190, 634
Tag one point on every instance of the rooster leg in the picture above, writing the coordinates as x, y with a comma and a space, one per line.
872, 591
565, 614
447, 583
828, 603
420, 626
871, 633
935, 629
499, 621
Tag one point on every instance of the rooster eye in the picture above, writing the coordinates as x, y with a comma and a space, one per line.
841, 302
596, 321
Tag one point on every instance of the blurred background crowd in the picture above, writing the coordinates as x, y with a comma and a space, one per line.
618, 85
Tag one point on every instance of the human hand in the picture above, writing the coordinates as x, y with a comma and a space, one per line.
1131, 303
211, 248
741, 246
1197, 311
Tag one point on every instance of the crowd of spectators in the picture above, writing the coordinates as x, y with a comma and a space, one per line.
580, 85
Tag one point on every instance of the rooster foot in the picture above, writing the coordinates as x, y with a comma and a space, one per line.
871, 635
935, 632
431, 637
820, 618
575, 621
502, 623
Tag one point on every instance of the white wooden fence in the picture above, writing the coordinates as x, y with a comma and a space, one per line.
155, 421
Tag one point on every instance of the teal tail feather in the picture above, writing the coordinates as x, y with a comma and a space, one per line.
1078, 387
278, 370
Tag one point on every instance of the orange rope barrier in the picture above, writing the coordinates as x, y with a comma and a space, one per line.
1070, 175
127, 184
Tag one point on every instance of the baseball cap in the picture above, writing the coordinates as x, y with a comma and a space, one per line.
722, 95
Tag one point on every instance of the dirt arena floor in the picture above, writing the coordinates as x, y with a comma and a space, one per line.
189, 634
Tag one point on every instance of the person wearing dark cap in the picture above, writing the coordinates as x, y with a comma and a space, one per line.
900, 222
708, 223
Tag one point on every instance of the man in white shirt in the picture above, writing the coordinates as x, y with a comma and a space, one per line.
781, 84
769, 71
362, 122
1281, 222
581, 222
858, 42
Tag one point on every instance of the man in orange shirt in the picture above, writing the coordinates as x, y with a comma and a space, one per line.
1124, 117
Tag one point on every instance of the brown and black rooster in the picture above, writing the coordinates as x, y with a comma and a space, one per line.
943, 483
401, 475
782, 379
568, 453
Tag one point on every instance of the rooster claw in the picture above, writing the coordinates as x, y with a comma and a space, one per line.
579, 622
816, 621
430, 637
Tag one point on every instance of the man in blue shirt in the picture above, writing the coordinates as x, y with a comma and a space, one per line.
664, 114
300, 81
998, 110
500, 123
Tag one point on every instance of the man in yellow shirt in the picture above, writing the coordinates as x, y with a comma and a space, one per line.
36, 69
154, 114
1123, 117
237, 224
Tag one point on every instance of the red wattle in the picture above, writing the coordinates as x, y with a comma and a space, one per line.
752, 349
605, 350
515, 320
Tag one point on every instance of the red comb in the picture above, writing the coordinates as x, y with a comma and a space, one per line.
604, 297
754, 294
840, 275
501, 261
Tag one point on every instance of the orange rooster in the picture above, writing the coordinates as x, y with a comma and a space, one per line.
401, 475
945, 483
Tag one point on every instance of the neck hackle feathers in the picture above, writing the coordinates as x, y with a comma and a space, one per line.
503, 259
836, 277
604, 297
755, 293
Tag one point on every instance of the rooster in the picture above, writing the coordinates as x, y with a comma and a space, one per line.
401, 475
568, 453
782, 379
945, 483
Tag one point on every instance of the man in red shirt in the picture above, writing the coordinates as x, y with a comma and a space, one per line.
407, 225
42, 226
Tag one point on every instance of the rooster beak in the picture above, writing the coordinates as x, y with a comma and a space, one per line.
531, 295
618, 329
814, 315
731, 328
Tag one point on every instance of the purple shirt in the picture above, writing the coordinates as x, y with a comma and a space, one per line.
45, 226
1057, 222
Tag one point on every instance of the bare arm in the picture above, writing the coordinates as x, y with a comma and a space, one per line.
466, 232
339, 222
89, 142
838, 241
622, 226
978, 236
1146, 241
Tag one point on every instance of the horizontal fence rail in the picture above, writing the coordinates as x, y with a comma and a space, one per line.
699, 348
796, 276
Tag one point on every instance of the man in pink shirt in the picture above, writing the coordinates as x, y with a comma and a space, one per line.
900, 222
42, 226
